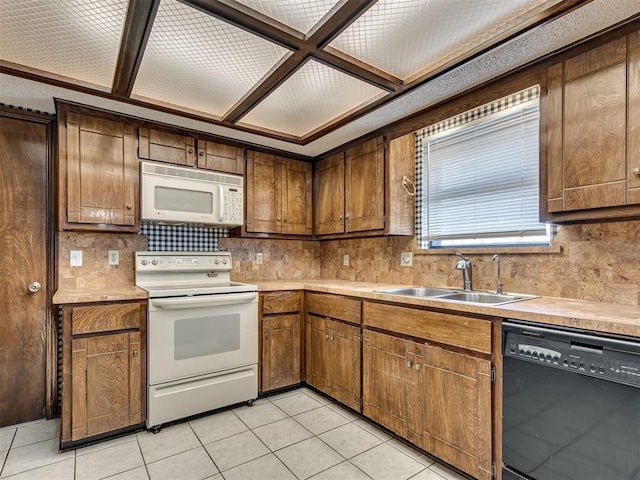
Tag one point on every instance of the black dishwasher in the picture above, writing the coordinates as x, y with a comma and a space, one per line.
571, 404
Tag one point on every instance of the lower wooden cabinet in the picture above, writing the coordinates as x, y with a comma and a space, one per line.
333, 359
104, 369
280, 339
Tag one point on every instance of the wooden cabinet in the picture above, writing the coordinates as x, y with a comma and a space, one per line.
278, 193
280, 339
180, 149
333, 346
436, 391
393, 388
360, 191
98, 173
103, 369
458, 410
592, 115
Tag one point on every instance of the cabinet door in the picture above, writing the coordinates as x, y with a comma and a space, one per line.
384, 373
101, 173
458, 410
329, 195
280, 351
364, 190
295, 192
106, 383
633, 119
166, 147
220, 157
263, 200
344, 363
316, 356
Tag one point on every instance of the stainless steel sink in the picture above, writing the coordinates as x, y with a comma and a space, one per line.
418, 291
485, 298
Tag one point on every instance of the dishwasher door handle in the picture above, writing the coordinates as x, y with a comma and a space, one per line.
204, 301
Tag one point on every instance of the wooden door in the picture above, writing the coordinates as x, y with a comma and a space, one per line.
316, 356
263, 200
364, 187
24, 154
594, 121
166, 147
101, 173
106, 383
280, 351
295, 192
329, 195
458, 410
384, 379
220, 157
415, 393
344, 363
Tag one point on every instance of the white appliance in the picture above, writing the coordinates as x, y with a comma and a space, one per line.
170, 194
202, 332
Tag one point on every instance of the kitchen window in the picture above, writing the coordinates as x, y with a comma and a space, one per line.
478, 179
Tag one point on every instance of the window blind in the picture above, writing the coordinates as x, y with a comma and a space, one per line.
478, 173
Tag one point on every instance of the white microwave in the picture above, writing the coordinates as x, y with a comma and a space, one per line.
174, 195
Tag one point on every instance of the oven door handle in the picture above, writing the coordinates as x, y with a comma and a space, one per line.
204, 301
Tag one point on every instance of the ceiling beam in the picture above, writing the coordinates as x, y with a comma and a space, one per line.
137, 27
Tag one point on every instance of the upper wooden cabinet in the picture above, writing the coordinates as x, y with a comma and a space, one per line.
592, 115
278, 193
362, 190
98, 173
186, 150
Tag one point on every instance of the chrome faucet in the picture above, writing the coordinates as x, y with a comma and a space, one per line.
465, 266
499, 285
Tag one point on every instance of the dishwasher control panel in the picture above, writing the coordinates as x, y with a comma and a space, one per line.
604, 357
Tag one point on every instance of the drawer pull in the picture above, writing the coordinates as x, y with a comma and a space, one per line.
636, 171
135, 353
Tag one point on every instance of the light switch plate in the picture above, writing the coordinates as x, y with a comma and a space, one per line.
259, 259
406, 259
75, 258
345, 260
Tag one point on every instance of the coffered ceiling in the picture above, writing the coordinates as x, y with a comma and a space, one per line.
291, 70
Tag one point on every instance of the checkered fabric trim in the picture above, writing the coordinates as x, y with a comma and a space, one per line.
182, 238
503, 103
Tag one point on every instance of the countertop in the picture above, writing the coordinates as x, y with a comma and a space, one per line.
595, 316
105, 294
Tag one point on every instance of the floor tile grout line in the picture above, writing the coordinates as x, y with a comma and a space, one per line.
4, 461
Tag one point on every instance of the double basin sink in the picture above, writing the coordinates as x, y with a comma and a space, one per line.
484, 298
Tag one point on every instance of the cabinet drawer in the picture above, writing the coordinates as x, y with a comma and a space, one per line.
105, 318
334, 306
281, 302
457, 330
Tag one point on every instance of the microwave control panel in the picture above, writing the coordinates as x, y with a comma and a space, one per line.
233, 205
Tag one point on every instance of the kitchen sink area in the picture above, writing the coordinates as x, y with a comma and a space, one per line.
484, 298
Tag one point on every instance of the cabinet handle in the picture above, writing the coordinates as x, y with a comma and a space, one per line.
190, 150
326, 337
409, 364
284, 219
135, 353
340, 217
129, 207
278, 218
266, 335
417, 366
332, 338
201, 153
636, 171
347, 216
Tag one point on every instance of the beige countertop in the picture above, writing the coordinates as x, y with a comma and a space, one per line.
105, 294
596, 316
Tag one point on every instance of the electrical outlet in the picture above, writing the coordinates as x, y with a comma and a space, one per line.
406, 259
259, 259
114, 257
75, 258
345, 260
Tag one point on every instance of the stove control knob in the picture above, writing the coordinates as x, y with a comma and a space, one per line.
216, 261
225, 261
144, 262
154, 262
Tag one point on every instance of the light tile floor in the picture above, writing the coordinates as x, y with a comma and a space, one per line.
293, 435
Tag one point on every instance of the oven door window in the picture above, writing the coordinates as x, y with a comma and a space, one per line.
203, 336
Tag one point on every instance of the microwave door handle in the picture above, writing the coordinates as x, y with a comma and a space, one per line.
221, 192
205, 301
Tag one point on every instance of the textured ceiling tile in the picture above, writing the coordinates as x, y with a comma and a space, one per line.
311, 97
301, 15
406, 37
196, 61
79, 39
